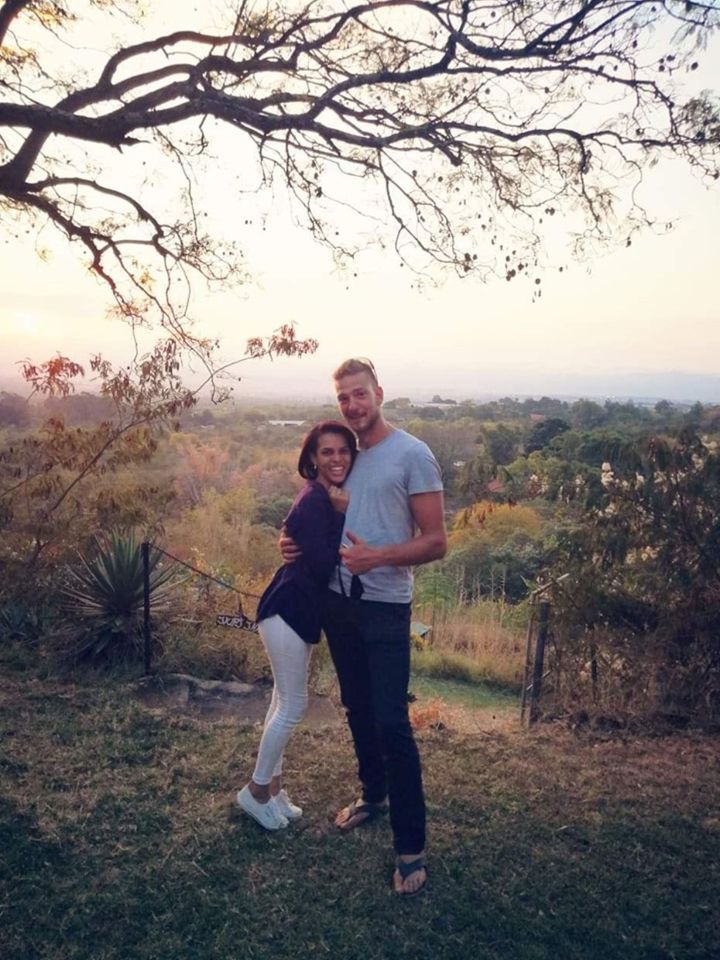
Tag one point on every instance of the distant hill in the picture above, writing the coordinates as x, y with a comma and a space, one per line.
642, 388
480, 385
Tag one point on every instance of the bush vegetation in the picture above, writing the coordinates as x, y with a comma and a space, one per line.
617, 503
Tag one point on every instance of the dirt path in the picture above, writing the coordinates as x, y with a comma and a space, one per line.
248, 703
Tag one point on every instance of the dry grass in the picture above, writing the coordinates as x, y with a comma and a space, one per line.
213, 652
189, 640
632, 679
482, 641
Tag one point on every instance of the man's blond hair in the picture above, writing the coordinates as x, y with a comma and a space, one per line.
356, 365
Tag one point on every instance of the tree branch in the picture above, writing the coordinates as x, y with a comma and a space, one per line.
450, 114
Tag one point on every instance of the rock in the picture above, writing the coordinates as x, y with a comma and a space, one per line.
220, 688
195, 687
245, 702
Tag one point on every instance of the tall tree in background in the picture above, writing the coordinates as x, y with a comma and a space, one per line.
452, 130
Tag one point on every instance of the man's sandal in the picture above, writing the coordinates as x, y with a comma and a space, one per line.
359, 808
407, 869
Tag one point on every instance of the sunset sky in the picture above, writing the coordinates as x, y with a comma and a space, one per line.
617, 325
643, 321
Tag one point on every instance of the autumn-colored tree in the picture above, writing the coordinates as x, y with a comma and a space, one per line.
492, 521
272, 475
221, 537
58, 483
495, 551
51, 479
204, 465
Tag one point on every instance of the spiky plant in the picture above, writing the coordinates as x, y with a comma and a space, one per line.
107, 591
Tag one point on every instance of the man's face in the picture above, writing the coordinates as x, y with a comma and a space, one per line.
359, 401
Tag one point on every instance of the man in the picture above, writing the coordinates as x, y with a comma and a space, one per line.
395, 520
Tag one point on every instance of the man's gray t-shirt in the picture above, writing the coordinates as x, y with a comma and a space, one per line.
381, 482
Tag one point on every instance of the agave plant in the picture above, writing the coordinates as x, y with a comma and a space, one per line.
108, 591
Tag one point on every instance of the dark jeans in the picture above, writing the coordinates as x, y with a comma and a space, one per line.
370, 647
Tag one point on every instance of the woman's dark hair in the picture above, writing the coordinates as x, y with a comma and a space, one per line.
306, 468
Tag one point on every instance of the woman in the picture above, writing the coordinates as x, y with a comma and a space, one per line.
289, 611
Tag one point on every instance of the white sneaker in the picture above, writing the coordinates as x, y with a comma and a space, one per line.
266, 814
286, 807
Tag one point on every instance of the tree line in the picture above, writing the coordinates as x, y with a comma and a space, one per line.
620, 517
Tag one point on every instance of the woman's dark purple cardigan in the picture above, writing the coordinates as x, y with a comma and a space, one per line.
297, 590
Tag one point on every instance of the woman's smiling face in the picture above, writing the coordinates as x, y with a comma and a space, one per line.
332, 458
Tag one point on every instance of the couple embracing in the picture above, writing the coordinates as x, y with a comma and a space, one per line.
372, 508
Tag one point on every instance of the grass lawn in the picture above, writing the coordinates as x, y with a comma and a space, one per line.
118, 841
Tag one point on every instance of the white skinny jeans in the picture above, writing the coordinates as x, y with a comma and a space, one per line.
289, 657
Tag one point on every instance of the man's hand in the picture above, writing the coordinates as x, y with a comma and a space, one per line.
358, 557
289, 550
429, 544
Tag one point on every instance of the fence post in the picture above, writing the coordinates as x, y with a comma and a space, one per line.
145, 551
536, 689
526, 668
594, 672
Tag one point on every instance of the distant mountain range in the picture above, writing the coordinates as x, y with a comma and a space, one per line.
483, 385
640, 387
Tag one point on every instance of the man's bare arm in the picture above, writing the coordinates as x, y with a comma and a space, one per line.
289, 550
430, 544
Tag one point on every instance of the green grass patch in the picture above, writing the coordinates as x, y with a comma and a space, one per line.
474, 695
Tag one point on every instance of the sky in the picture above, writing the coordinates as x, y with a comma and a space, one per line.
642, 321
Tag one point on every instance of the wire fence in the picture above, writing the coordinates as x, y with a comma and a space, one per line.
538, 632
237, 621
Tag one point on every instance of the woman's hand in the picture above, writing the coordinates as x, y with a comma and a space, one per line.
339, 498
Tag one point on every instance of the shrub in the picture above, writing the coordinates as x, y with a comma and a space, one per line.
106, 592
642, 593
